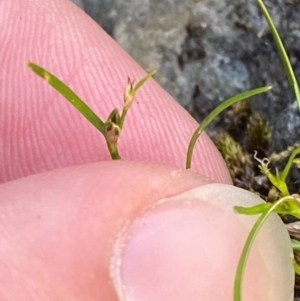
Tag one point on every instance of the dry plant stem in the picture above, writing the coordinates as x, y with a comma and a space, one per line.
284, 154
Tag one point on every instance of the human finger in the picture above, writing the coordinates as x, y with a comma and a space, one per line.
134, 231
40, 131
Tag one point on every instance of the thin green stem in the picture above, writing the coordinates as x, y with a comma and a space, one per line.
122, 118
129, 98
143, 81
283, 54
113, 150
289, 164
295, 244
240, 273
219, 109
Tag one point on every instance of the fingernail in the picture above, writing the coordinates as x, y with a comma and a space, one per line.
187, 248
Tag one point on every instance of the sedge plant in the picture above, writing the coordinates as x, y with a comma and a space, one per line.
111, 129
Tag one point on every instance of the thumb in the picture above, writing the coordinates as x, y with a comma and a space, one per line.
187, 247
140, 231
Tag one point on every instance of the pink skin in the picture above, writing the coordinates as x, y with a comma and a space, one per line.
58, 228
59, 231
41, 131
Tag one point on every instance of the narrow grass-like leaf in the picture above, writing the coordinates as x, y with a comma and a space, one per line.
142, 81
69, 94
238, 283
289, 164
284, 57
132, 90
254, 210
219, 109
291, 208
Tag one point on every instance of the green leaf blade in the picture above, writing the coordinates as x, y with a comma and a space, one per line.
143, 81
257, 209
240, 272
69, 94
289, 164
219, 109
283, 54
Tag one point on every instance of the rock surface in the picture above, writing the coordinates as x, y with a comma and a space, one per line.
207, 51
78, 2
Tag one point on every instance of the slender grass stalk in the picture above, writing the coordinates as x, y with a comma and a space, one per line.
69, 94
219, 109
130, 93
283, 54
240, 273
114, 152
289, 164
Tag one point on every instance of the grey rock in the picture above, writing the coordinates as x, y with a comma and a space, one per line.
78, 2
102, 11
154, 35
207, 51
288, 122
